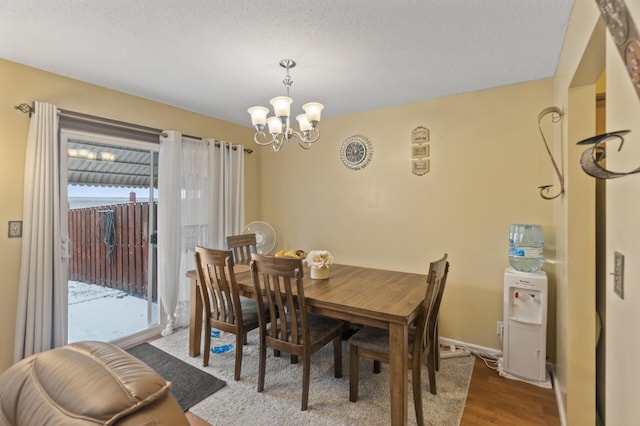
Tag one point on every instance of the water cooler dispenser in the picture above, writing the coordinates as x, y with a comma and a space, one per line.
525, 325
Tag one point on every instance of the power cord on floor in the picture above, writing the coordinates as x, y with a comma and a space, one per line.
489, 360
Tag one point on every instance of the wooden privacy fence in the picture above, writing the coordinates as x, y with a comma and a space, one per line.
110, 247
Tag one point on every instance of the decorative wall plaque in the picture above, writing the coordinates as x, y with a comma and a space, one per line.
420, 167
420, 135
420, 151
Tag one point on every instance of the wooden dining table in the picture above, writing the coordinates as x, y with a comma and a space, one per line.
375, 297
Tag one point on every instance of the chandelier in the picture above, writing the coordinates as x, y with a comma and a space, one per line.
279, 125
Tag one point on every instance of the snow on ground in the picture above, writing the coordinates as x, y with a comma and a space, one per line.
105, 314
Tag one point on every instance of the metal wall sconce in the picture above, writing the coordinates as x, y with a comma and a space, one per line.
556, 115
592, 158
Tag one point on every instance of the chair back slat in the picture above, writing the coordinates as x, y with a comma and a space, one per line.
441, 271
218, 289
280, 284
436, 279
216, 284
242, 246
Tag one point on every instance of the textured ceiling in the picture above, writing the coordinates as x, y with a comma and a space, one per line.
219, 57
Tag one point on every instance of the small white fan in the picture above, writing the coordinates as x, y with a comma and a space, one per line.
265, 236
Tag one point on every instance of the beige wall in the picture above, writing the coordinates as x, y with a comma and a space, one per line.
574, 90
623, 229
23, 84
487, 161
587, 43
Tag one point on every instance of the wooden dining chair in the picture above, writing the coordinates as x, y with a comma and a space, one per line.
287, 325
242, 246
224, 308
373, 343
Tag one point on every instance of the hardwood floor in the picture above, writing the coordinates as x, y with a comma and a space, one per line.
494, 400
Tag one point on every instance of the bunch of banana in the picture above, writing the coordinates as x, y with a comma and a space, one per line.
292, 253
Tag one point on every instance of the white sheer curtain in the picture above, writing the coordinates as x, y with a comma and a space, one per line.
169, 230
206, 205
196, 214
41, 323
227, 192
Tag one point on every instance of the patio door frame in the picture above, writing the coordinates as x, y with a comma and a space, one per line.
67, 134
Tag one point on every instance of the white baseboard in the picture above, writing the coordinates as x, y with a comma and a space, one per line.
470, 347
559, 401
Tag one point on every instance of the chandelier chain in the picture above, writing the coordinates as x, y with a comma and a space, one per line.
288, 81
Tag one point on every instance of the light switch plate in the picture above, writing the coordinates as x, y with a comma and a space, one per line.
15, 229
618, 274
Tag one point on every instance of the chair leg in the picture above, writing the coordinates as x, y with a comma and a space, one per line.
306, 373
435, 345
262, 362
207, 345
431, 368
244, 338
239, 339
376, 366
417, 393
353, 373
337, 356
294, 359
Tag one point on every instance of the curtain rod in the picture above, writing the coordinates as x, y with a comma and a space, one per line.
26, 108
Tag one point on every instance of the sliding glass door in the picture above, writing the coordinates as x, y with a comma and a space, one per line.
110, 188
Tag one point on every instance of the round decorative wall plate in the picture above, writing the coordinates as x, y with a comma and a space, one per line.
356, 152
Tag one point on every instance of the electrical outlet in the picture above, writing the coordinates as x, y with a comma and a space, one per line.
499, 328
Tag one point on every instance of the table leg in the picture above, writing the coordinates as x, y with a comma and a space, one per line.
398, 365
195, 319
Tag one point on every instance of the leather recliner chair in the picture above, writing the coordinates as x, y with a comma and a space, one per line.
86, 383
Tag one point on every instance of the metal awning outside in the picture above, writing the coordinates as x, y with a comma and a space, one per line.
97, 164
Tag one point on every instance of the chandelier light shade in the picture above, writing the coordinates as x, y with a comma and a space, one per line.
278, 125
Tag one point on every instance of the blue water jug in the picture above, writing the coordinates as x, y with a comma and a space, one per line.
222, 349
526, 243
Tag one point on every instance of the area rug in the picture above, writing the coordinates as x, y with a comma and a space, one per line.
239, 403
190, 384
